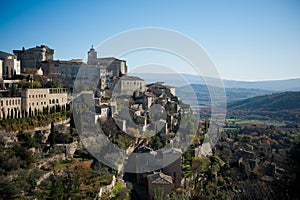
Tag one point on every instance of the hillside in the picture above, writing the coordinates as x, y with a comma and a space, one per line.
232, 94
276, 107
273, 102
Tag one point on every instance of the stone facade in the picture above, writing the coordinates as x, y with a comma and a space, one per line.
9, 65
159, 183
113, 65
30, 57
63, 72
35, 100
92, 57
160, 89
128, 84
10, 107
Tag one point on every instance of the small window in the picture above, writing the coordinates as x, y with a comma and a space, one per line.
49, 101
29, 96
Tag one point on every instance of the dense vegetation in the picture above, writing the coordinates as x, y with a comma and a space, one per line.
250, 161
274, 102
277, 107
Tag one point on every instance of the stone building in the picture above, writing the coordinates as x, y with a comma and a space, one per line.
102, 112
174, 169
113, 65
34, 101
60, 71
128, 84
161, 89
159, 183
92, 57
10, 107
9, 65
30, 57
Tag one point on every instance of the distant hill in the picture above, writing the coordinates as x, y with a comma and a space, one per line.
283, 106
179, 80
203, 95
273, 102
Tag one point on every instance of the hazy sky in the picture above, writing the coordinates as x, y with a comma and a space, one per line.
247, 40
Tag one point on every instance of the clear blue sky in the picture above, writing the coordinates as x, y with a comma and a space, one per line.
247, 40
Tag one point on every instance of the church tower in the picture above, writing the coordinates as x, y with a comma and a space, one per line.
92, 56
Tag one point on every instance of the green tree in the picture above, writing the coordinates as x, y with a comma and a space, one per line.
57, 189
51, 137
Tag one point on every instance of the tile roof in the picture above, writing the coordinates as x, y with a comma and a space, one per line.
160, 178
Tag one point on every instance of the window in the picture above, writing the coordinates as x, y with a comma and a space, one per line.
41, 103
1, 103
37, 103
33, 104
29, 96
56, 100
44, 96
49, 101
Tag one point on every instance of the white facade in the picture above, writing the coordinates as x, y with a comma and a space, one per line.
128, 84
35, 100
17, 67
10, 107
9, 65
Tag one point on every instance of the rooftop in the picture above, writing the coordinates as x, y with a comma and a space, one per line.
131, 78
160, 178
5, 53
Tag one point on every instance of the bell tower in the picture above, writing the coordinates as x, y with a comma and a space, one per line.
92, 56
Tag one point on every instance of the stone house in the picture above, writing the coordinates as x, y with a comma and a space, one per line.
159, 183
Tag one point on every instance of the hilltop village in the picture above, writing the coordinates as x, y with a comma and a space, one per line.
36, 94
50, 109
